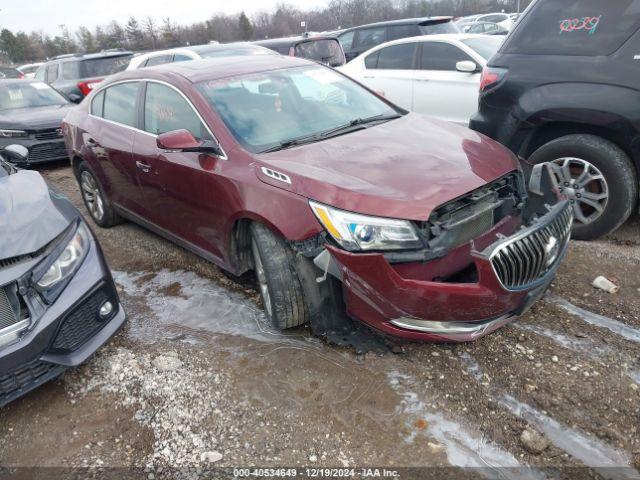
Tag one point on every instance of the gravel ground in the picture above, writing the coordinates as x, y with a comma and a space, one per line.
198, 379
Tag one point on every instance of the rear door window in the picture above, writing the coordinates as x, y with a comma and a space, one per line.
369, 38
395, 57
120, 103
575, 27
441, 56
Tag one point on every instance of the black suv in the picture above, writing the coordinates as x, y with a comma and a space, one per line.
76, 74
358, 40
564, 89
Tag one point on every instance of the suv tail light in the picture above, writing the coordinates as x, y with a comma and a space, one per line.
21, 75
86, 87
491, 76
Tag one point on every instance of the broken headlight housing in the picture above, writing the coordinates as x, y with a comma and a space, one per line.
54, 277
356, 232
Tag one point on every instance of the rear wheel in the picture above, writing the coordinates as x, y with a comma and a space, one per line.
94, 199
280, 287
597, 177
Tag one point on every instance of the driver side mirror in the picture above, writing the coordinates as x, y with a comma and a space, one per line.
16, 152
467, 66
74, 98
183, 141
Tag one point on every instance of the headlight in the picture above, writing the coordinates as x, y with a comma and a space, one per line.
67, 262
13, 133
361, 232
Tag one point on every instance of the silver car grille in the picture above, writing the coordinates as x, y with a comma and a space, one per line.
8, 316
528, 257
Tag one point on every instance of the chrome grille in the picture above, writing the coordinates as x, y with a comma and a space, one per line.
49, 134
529, 256
8, 316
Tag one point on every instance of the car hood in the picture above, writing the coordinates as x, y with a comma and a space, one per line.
31, 215
33, 118
404, 168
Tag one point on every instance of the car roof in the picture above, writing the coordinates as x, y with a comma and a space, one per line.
212, 47
90, 56
403, 21
214, 68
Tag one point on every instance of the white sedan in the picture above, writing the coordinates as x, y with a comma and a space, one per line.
438, 75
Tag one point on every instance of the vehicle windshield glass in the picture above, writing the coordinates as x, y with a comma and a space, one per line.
327, 51
266, 109
29, 95
95, 67
486, 47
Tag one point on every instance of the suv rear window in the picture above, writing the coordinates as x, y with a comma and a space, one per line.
575, 27
94, 67
327, 51
444, 26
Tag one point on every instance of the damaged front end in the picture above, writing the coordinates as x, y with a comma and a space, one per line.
486, 257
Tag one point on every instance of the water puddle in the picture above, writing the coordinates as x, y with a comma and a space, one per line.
195, 303
606, 460
463, 447
614, 326
569, 342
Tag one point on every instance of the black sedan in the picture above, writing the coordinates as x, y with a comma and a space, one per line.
58, 302
30, 115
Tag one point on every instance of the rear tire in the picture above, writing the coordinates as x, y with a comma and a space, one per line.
280, 287
94, 198
597, 176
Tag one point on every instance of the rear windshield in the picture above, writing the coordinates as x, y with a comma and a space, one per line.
28, 95
575, 27
485, 46
446, 26
326, 51
9, 73
95, 67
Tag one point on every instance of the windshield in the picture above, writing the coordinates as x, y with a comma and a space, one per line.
486, 47
267, 109
28, 95
95, 67
326, 51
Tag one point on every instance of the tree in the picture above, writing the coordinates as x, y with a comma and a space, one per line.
245, 27
151, 30
87, 42
8, 43
169, 33
115, 36
134, 34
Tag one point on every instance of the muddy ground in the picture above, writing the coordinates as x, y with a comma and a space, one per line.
197, 378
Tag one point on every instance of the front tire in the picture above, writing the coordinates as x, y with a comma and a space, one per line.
599, 179
280, 287
95, 200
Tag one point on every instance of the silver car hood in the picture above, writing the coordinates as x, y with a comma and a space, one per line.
29, 217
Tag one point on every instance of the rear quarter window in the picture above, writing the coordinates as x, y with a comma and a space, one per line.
575, 27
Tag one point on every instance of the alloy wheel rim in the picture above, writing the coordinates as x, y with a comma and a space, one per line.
584, 185
91, 195
262, 279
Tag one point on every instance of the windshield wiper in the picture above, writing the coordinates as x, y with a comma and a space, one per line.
292, 142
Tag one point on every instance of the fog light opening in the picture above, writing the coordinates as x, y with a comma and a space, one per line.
106, 309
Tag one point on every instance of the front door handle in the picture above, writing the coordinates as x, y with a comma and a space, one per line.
143, 166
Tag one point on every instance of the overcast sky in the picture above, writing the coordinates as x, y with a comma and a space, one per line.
47, 15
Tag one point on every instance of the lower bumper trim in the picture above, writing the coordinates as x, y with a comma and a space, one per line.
452, 328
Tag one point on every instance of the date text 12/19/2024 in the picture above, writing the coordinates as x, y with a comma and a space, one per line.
315, 473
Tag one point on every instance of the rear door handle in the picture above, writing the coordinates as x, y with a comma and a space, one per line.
143, 166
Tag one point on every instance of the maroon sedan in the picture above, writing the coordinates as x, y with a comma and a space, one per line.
344, 205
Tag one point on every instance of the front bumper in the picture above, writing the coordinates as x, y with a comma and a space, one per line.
40, 151
413, 302
66, 334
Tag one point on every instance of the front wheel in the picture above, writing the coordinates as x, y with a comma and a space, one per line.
280, 287
99, 207
597, 177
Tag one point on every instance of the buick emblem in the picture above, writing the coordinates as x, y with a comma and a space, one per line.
551, 250
59, 132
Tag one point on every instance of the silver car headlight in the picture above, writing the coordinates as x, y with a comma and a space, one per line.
356, 232
13, 134
59, 272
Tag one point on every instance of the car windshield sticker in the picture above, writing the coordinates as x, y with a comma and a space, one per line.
588, 24
15, 94
40, 85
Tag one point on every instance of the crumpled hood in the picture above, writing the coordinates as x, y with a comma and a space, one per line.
34, 118
31, 215
404, 168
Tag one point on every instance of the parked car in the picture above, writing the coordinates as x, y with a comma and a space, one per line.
10, 72
485, 28
58, 302
338, 199
505, 20
196, 52
321, 48
75, 75
29, 70
566, 92
438, 75
358, 40
30, 115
